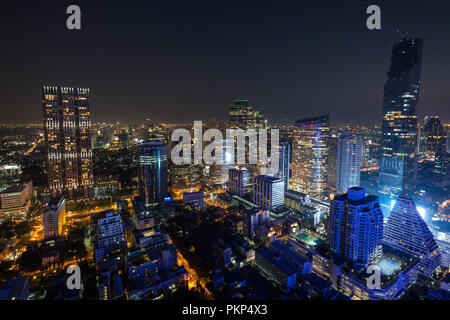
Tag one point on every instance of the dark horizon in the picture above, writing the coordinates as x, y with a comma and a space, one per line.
179, 62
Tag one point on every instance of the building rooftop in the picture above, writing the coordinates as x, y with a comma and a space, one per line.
277, 262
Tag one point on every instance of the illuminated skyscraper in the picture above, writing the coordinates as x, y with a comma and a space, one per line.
268, 192
310, 156
285, 154
407, 232
436, 137
356, 226
401, 94
350, 156
153, 173
110, 235
67, 138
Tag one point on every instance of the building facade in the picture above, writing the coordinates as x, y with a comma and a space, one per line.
68, 138
401, 95
54, 218
110, 235
350, 157
243, 116
356, 226
153, 172
407, 232
310, 156
268, 192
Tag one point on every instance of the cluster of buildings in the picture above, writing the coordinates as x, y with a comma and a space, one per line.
134, 258
310, 229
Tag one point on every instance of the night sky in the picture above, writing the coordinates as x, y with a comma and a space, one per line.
187, 60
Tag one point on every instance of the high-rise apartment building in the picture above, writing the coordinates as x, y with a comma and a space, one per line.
196, 199
153, 172
243, 116
239, 181
54, 218
67, 139
401, 95
284, 162
110, 235
350, 157
310, 156
268, 192
356, 226
390, 181
254, 218
15, 201
407, 232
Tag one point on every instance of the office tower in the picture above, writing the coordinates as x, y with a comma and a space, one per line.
239, 181
285, 154
197, 199
243, 116
276, 269
110, 235
268, 192
15, 201
310, 156
436, 137
252, 219
407, 232
350, 157
10, 173
54, 218
333, 163
356, 226
67, 139
401, 95
15, 289
153, 172
447, 148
